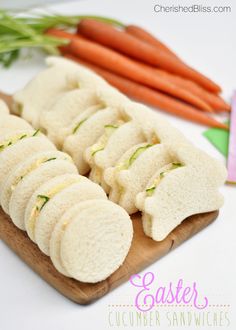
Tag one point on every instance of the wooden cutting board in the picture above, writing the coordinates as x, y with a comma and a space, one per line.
144, 251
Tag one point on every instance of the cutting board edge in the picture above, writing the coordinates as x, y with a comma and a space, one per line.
84, 293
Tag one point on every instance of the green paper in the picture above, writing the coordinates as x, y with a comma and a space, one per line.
219, 138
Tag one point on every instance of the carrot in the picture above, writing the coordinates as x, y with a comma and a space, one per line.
124, 66
215, 101
151, 97
125, 43
140, 33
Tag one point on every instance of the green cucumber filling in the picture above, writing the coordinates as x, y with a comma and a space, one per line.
109, 130
49, 159
137, 153
111, 126
31, 168
36, 132
79, 124
76, 128
42, 201
126, 164
15, 139
150, 190
97, 150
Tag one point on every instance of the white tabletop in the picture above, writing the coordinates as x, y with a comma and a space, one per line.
207, 42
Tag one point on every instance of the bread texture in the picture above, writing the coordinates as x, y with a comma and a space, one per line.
109, 174
23, 169
131, 177
85, 78
64, 111
111, 146
87, 134
10, 123
96, 176
55, 240
37, 97
188, 189
62, 76
59, 204
3, 108
72, 107
154, 125
15, 153
42, 196
26, 188
95, 241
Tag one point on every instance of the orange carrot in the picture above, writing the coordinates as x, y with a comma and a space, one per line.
151, 97
109, 36
140, 33
215, 101
124, 66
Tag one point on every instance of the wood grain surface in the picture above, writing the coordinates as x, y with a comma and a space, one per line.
144, 251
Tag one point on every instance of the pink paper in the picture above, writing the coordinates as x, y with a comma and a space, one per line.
232, 144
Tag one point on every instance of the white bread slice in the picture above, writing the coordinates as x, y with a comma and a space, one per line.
122, 138
60, 77
11, 138
15, 153
153, 124
58, 232
65, 109
133, 178
109, 174
56, 236
42, 196
112, 232
85, 77
25, 189
96, 176
42, 91
57, 206
182, 192
23, 169
3, 109
155, 128
87, 134
10, 123
92, 240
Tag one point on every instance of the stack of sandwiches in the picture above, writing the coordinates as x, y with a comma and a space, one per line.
67, 215
140, 160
